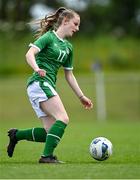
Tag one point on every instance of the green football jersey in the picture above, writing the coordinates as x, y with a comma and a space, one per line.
54, 52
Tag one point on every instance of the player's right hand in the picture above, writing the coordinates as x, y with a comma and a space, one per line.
41, 72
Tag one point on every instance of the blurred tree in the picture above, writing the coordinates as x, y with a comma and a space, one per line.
119, 16
123, 14
21, 10
54, 3
3, 12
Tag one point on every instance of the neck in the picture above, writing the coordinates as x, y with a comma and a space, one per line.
60, 33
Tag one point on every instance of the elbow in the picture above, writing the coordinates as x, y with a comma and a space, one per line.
27, 55
30, 53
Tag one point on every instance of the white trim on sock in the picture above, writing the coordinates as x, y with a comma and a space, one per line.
33, 134
54, 136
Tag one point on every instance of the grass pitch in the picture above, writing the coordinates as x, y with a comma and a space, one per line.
15, 111
74, 150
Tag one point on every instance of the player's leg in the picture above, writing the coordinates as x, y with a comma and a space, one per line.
33, 134
36, 134
54, 108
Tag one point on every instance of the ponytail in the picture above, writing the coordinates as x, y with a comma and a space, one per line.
48, 22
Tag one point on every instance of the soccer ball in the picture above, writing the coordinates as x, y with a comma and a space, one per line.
100, 148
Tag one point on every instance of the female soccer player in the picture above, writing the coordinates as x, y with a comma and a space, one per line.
45, 56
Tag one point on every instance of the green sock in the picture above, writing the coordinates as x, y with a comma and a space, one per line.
54, 135
34, 134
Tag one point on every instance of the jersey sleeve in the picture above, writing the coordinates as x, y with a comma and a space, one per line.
68, 65
42, 42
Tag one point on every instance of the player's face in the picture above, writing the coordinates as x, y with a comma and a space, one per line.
72, 25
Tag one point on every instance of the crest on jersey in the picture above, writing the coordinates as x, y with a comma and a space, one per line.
67, 51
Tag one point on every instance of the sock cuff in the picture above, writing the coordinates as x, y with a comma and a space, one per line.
61, 124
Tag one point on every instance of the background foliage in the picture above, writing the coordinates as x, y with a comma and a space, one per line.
103, 15
109, 34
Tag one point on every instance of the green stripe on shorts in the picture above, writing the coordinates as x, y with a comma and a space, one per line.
48, 89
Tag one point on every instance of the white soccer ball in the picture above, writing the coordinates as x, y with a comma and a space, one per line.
100, 148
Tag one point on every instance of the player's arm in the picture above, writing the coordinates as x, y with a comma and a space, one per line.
75, 87
30, 58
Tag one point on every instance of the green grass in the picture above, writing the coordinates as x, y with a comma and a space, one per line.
122, 127
73, 149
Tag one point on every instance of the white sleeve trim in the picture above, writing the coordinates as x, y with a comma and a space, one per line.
32, 45
68, 68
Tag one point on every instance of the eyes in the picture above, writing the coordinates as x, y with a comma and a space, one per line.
76, 21
76, 24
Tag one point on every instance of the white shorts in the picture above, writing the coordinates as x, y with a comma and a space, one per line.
38, 92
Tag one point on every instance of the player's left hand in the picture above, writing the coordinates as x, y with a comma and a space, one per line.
86, 102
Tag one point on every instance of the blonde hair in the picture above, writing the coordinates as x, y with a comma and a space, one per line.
53, 21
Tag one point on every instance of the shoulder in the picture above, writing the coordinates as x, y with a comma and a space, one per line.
47, 35
44, 40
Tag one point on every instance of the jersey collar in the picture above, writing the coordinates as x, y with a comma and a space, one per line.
58, 36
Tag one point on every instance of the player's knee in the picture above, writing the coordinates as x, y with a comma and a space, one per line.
65, 119
46, 128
